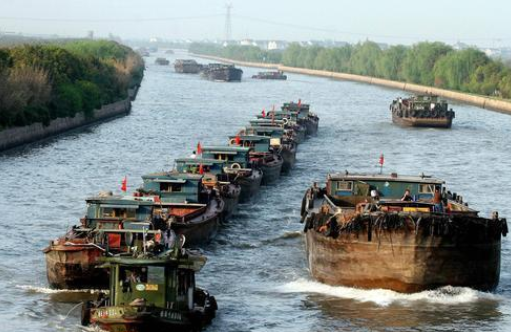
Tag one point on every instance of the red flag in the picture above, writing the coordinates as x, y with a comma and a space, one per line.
237, 140
124, 184
299, 102
201, 169
263, 113
382, 160
199, 148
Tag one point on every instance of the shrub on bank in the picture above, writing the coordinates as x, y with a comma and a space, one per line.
48, 81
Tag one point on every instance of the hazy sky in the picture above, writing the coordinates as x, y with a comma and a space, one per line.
483, 23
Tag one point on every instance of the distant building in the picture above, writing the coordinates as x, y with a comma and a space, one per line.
458, 46
90, 34
276, 45
492, 52
248, 42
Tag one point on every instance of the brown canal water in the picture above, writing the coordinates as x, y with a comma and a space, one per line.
256, 268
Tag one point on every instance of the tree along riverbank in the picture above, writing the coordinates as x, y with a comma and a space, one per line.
495, 104
431, 64
53, 87
41, 83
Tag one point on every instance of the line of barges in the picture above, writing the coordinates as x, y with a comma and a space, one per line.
140, 243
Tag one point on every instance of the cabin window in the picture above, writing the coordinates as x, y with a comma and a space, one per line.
426, 188
344, 186
221, 156
156, 275
118, 213
170, 187
133, 276
183, 283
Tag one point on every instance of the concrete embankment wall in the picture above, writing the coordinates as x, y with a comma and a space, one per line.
480, 101
14, 137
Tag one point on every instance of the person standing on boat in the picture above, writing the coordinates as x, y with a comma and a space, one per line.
375, 195
407, 197
437, 200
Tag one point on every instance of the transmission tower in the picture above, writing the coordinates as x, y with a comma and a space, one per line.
227, 31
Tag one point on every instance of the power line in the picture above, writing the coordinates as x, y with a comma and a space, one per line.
108, 20
352, 33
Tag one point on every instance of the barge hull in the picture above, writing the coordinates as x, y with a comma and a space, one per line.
423, 122
271, 173
402, 262
74, 267
249, 186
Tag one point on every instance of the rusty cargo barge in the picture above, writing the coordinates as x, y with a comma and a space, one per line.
361, 233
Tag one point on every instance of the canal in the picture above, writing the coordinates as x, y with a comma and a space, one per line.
256, 266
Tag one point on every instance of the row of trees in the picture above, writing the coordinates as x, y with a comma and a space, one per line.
428, 63
40, 83
242, 53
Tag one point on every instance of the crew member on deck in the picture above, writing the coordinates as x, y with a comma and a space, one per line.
407, 197
437, 200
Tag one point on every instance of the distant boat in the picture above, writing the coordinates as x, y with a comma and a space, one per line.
186, 66
162, 62
169, 52
222, 72
422, 111
270, 75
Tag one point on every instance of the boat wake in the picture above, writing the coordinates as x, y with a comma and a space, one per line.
45, 290
447, 295
284, 236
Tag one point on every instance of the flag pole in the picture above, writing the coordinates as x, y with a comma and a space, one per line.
381, 162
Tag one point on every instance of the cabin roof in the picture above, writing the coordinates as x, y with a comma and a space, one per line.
172, 176
225, 149
384, 177
267, 121
193, 261
265, 129
198, 161
253, 138
120, 201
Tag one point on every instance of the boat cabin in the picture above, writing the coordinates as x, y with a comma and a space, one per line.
350, 189
302, 109
115, 208
166, 284
193, 165
265, 122
258, 144
423, 102
273, 132
174, 187
280, 115
228, 154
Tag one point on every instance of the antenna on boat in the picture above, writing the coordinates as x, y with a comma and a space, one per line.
144, 229
228, 22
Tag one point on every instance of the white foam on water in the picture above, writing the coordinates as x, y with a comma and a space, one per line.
45, 290
447, 295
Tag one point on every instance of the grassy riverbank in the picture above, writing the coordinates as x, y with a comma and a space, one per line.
46, 81
430, 64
